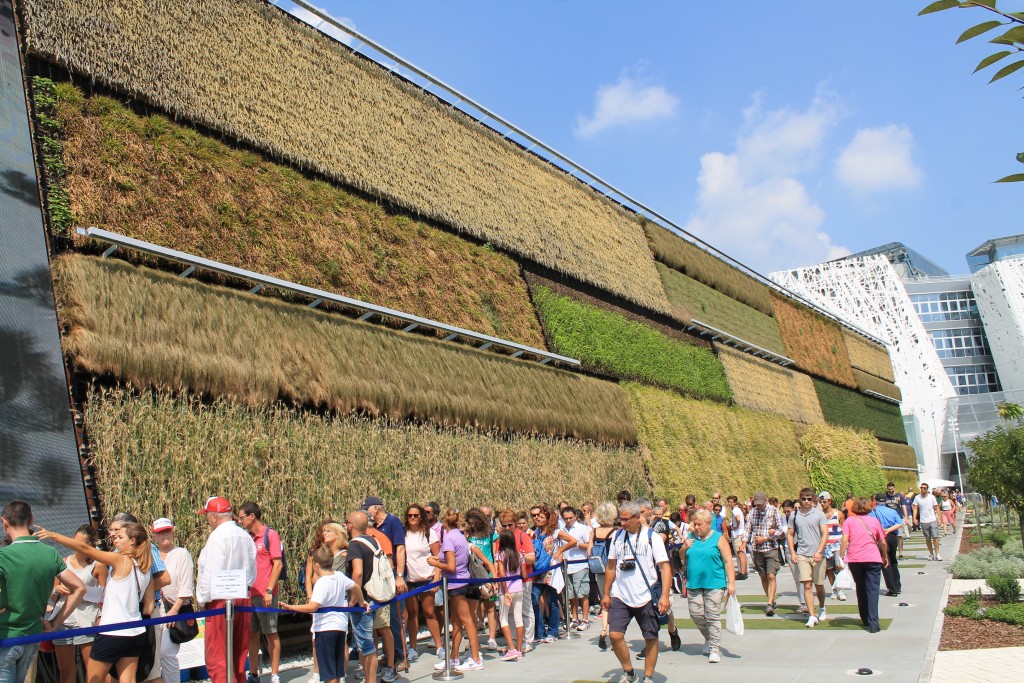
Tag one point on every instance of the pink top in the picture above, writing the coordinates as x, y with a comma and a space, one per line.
863, 530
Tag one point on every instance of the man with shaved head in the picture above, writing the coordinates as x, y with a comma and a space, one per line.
361, 549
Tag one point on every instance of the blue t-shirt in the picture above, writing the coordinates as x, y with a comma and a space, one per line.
393, 529
886, 516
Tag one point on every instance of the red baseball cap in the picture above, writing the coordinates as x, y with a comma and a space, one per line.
162, 524
216, 504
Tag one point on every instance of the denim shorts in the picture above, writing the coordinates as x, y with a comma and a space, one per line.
361, 624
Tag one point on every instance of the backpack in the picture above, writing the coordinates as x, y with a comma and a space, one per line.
598, 559
284, 561
542, 559
381, 585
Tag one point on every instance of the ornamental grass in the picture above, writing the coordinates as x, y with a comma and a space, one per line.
869, 357
154, 329
150, 178
253, 72
697, 301
814, 342
609, 343
876, 384
842, 406
701, 447
842, 460
158, 455
770, 388
898, 455
700, 265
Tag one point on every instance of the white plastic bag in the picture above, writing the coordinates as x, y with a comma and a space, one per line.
844, 580
733, 616
557, 580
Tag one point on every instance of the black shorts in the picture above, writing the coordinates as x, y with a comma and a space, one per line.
111, 649
620, 614
331, 654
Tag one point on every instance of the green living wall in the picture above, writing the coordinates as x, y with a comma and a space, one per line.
607, 342
849, 408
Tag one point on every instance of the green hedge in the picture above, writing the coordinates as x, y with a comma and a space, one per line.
607, 342
849, 408
843, 460
718, 310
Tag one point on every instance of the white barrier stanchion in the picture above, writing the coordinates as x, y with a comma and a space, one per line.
446, 674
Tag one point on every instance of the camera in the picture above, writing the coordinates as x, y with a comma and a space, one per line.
627, 565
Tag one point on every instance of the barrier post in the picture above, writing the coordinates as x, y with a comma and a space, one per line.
446, 674
566, 617
229, 638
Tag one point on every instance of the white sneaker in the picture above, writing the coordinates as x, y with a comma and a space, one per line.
842, 595
471, 665
440, 653
440, 665
492, 645
822, 614
707, 648
714, 658
938, 558
812, 621
274, 678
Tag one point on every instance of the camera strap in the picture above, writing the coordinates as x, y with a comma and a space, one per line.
636, 557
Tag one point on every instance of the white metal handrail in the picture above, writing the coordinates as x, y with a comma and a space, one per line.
319, 296
883, 397
602, 186
740, 343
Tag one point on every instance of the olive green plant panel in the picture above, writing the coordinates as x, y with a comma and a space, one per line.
904, 480
850, 408
770, 388
251, 71
897, 454
608, 342
697, 301
303, 468
701, 447
167, 183
842, 460
879, 386
153, 329
868, 356
814, 342
700, 265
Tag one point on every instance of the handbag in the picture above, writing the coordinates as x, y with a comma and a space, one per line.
147, 658
656, 588
185, 630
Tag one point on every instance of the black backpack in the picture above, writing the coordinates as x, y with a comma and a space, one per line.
284, 559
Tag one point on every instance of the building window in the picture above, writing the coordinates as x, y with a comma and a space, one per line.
960, 343
974, 379
944, 306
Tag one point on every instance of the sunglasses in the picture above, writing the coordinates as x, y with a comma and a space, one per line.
808, 498
413, 515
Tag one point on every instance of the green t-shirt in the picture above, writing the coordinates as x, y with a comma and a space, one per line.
27, 570
486, 544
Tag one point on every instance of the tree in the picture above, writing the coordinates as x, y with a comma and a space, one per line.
997, 462
1012, 39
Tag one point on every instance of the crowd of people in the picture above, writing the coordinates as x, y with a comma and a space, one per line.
620, 561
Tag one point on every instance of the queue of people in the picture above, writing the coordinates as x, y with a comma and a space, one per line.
624, 559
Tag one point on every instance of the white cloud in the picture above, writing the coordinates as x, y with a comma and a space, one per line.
330, 29
751, 205
879, 159
628, 101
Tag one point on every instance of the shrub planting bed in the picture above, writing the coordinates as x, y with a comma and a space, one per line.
697, 301
154, 329
849, 408
843, 460
770, 388
814, 343
304, 468
609, 343
308, 99
700, 447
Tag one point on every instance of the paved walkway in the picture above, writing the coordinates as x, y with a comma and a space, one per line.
773, 649
996, 665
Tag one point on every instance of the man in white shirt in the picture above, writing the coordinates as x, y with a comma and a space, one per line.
926, 514
635, 557
578, 573
229, 547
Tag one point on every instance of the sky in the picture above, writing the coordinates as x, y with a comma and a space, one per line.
784, 133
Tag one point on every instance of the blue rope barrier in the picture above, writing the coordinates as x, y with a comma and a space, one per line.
121, 626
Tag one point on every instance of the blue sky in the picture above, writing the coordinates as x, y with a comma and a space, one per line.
784, 132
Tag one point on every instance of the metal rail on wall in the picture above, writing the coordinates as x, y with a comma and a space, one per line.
319, 296
468, 105
739, 343
882, 397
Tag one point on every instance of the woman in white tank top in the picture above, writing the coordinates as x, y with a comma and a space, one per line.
127, 587
94, 576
